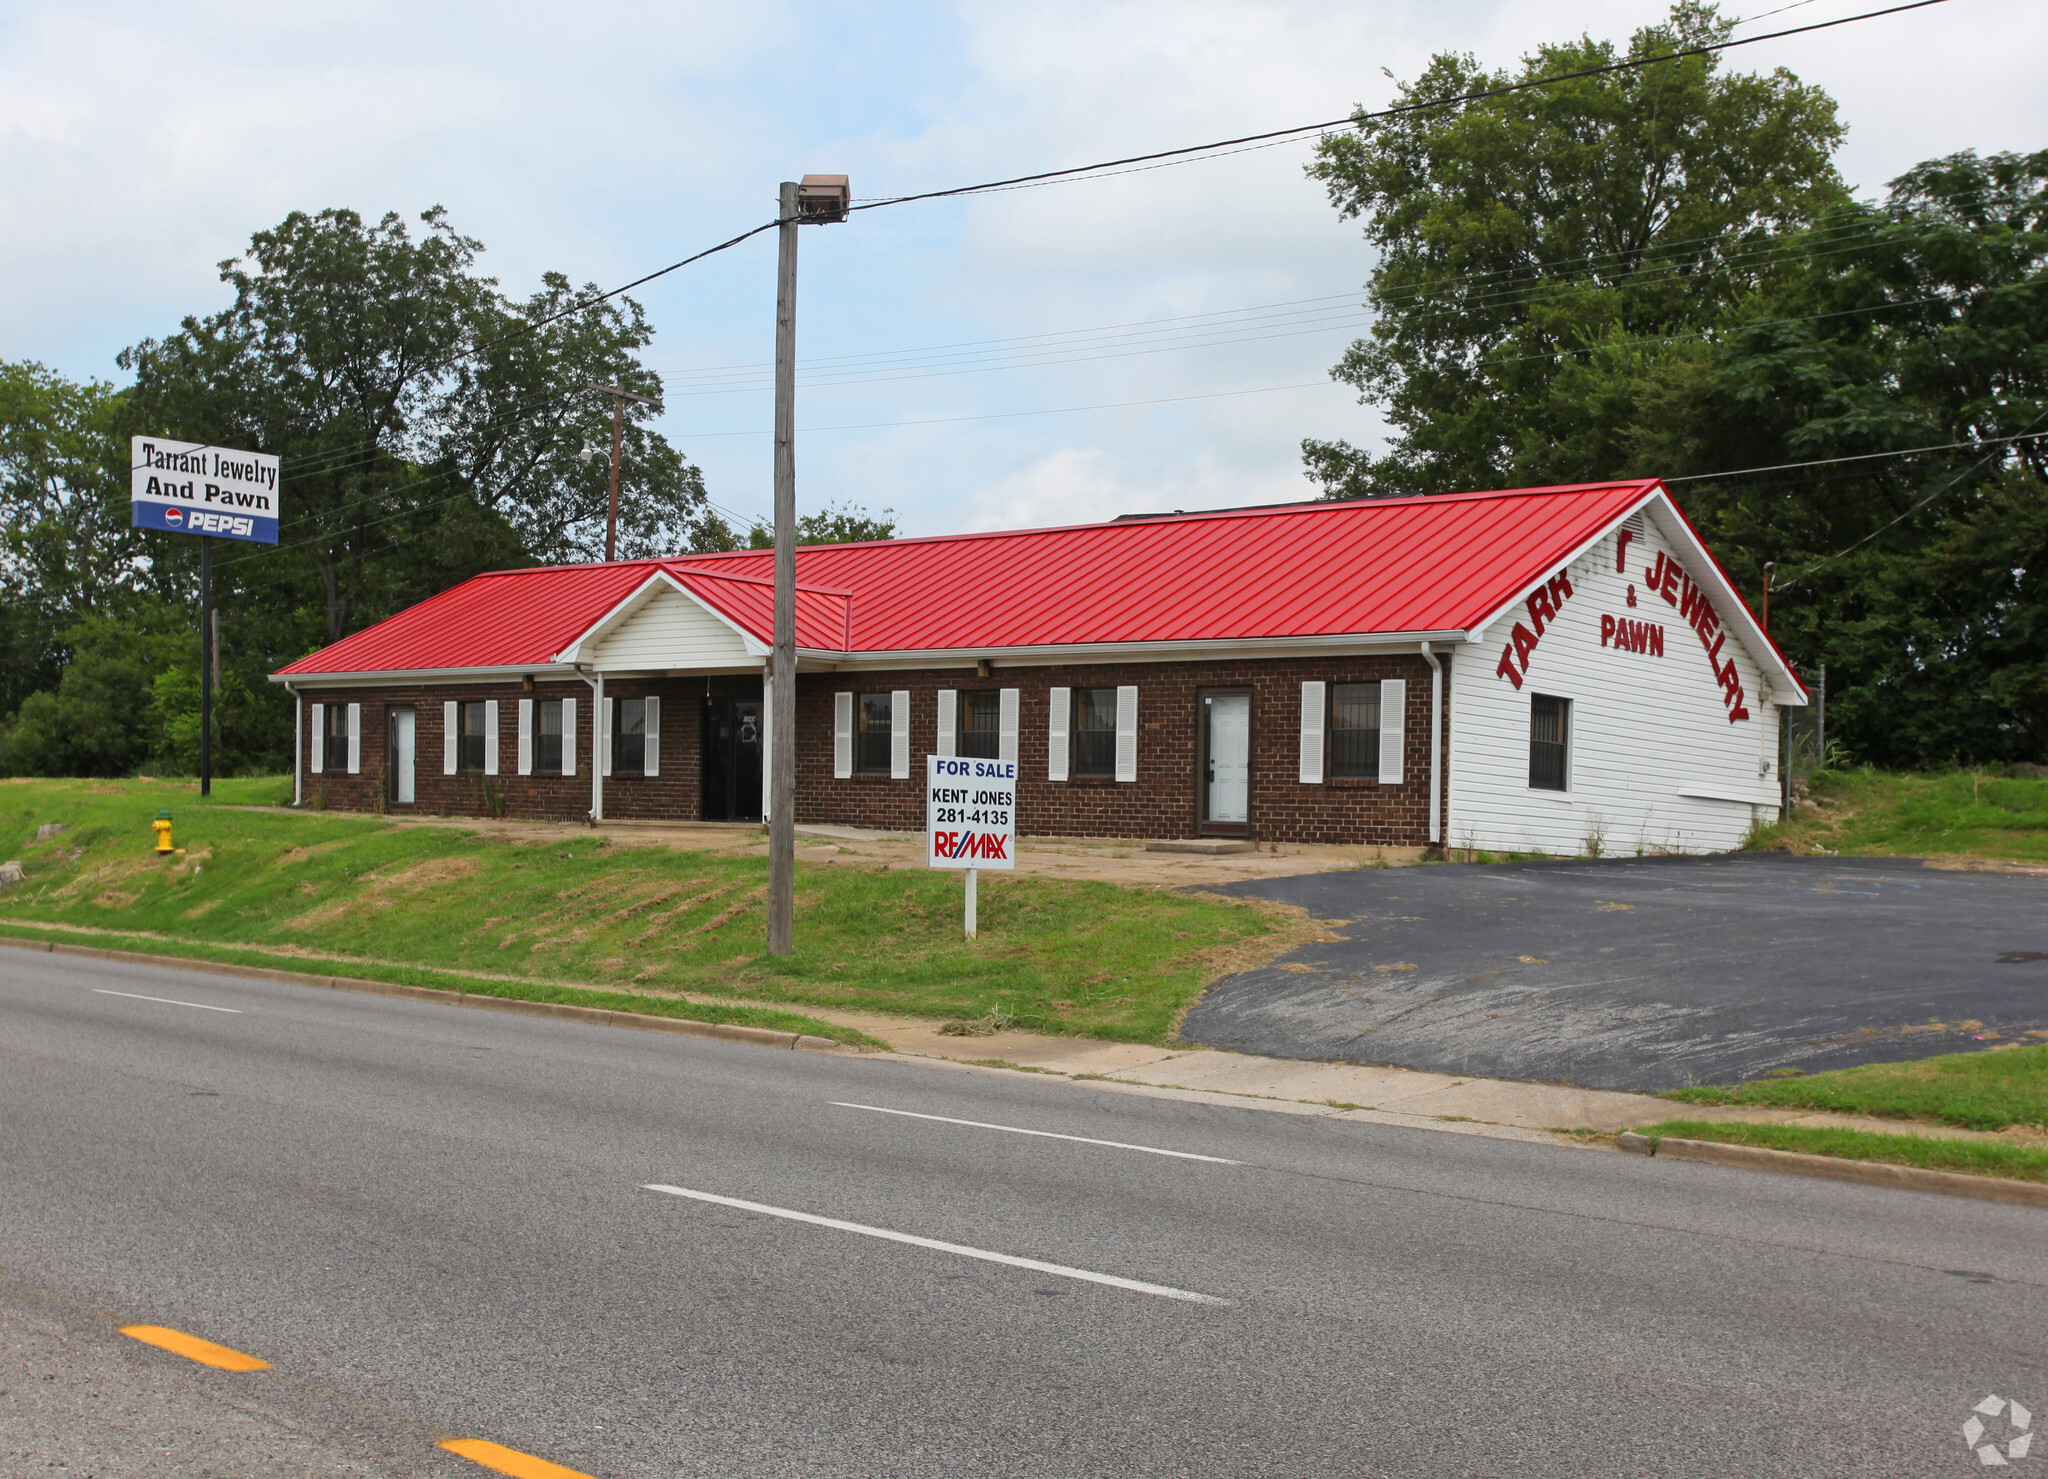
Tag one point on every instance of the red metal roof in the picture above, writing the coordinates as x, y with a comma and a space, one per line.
1395, 565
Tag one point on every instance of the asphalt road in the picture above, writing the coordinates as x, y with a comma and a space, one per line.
433, 1222
1645, 973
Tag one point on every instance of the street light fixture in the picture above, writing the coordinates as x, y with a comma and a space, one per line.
817, 200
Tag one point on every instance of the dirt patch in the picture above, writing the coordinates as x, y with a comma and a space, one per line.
385, 890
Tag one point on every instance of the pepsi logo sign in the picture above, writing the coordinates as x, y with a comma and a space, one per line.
174, 517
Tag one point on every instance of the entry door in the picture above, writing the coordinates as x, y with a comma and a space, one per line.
401, 757
732, 760
1229, 752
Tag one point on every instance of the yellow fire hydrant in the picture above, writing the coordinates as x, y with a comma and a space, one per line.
162, 824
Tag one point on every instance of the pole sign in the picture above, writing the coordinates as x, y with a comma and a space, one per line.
970, 813
196, 488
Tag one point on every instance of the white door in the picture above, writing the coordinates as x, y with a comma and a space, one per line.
1230, 755
401, 756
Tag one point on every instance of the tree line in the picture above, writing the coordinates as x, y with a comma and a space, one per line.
430, 427
1661, 272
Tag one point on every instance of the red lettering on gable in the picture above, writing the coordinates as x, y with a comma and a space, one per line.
1541, 608
1525, 643
1507, 667
1606, 629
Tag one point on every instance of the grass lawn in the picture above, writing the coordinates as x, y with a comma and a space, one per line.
1978, 1157
1865, 813
358, 895
1977, 1091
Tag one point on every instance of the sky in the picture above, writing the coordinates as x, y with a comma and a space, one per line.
1154, 340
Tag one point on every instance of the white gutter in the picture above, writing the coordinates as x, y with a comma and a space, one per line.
596, 743
1436, 743
298, 739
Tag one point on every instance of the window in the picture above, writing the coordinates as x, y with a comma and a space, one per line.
980, 735
1095, 731
629, 737
547, 735
1355, 729
1549, 731
336, 722
871, 743
470, 750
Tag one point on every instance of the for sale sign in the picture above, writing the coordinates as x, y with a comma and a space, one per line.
970, 813
196, 488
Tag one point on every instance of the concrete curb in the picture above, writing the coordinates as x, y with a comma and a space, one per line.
1833, 1168
561, 1011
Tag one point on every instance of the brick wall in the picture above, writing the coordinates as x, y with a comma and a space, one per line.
1162, 802
675, 793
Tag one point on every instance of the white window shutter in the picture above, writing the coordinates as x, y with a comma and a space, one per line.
449, 712
1059, 704
1127, 733
1312, 709
319, 738
1006, 726
842, 735
609, 711
1393, 710
526, 736
568, 736
949, 709
652, 764
899, 734
490, 736
355, 739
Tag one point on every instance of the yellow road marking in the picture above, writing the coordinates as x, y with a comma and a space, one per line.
509, 1460
192, 1348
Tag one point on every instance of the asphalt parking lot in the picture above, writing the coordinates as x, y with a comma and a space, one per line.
1645, 973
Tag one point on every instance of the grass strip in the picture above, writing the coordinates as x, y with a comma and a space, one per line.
1959, 813
772, 1018
1077, 957
1975, 1091
1973, 1157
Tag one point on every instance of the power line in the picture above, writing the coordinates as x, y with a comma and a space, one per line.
2025, 436
1361, 116
1914, 508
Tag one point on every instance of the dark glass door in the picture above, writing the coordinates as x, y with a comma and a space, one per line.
732, 759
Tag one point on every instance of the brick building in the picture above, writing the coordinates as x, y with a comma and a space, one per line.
1494, 670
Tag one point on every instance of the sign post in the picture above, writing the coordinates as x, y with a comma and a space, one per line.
214, 492
970, 819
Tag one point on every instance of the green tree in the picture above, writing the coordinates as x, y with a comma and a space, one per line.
1521, 236
851, 524
65, 546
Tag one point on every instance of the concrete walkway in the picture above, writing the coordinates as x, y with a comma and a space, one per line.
1480, 1106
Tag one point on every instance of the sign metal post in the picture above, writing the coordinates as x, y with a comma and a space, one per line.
970, 820
216, 493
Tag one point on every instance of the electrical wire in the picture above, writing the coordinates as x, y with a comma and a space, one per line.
1361, 116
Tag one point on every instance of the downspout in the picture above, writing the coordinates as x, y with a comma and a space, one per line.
596, 742
297, 742
1436, 745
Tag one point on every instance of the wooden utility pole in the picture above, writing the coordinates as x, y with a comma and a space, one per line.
782, 673
818, 200
619, 398
1765, 614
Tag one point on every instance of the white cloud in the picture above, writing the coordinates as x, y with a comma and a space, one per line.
140, 144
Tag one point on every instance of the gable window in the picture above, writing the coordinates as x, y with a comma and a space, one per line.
980, 736
629, 737
547, 735
1355, 729
470, 750
871, 742
1095, 731
1549, 738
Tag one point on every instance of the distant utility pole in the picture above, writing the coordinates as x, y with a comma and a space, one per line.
209, 659
818, 200
619, 399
